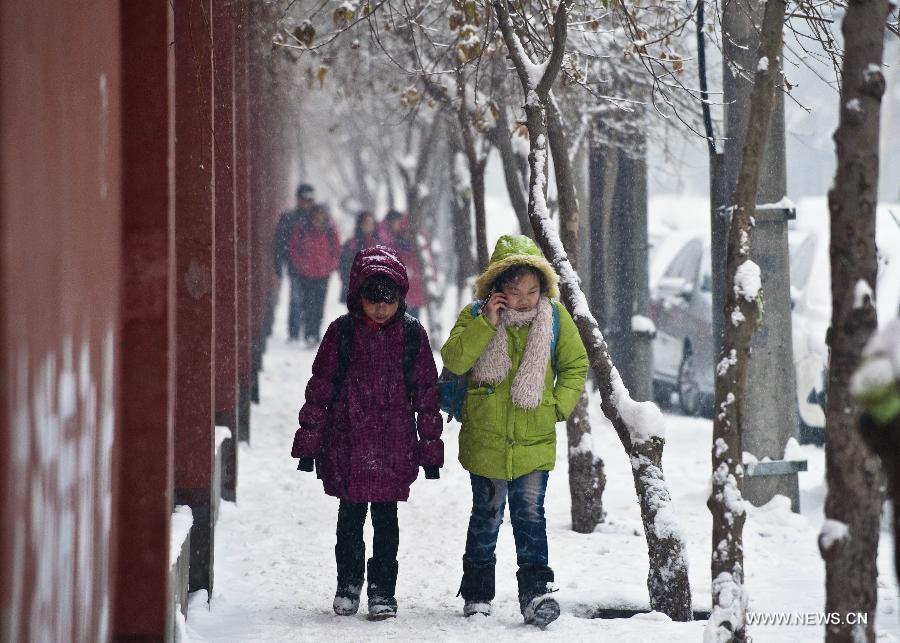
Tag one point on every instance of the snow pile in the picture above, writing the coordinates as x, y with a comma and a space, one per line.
726, 362
643, 419
643, 325
747, 281
783, 204
182, 521
728, 611
585, 445
833, 531
862, 294
763, 64
729, 495
222, 433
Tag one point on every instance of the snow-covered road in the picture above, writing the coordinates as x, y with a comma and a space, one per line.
274, 566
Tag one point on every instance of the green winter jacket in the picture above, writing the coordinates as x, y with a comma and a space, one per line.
499, 440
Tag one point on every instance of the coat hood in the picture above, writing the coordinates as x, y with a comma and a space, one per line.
512, 250
377, 260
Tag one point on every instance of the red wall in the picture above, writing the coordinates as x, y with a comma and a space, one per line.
108, 324
60, 205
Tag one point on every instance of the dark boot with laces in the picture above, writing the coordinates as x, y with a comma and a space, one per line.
536, 602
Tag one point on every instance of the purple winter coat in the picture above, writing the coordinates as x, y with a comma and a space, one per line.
365, 443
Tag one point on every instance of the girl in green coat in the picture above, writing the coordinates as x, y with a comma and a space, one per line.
526, 366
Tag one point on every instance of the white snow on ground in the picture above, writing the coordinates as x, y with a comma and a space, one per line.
274, 558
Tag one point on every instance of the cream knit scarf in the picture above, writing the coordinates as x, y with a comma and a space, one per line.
494, 364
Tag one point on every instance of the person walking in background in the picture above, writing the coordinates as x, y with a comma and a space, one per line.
314, 248
395, 232
287, 223
370, 420
364, 236
526, 369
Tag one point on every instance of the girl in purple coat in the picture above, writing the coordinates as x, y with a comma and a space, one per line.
370, 420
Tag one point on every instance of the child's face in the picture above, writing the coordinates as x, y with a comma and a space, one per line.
380, 312
523, 294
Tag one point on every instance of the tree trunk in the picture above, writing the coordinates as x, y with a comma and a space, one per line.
638, 425
414, 203
500, 139
361, 170
853, 475
718, 225
586, 477
743, 304
476, 170
460, 203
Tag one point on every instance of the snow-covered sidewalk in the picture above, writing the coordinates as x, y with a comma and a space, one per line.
274, 566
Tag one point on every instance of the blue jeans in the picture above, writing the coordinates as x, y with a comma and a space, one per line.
526, 512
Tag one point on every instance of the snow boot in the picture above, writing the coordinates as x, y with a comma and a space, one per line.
538, 607
477, 588
382, 577
351, 566
346, 598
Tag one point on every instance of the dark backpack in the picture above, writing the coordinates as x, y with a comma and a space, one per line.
452, 387
412, 337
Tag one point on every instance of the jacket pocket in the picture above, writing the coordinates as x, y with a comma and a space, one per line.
544, 417
481, 409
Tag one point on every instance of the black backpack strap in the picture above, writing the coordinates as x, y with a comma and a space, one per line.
412, 337
344, 344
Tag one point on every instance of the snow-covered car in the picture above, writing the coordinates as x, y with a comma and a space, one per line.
681, 306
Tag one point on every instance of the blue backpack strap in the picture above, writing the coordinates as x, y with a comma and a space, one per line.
555, 306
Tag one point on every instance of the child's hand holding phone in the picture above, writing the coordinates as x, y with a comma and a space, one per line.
495, 304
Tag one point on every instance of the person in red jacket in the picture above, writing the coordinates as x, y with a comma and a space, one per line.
286, 224
314, 249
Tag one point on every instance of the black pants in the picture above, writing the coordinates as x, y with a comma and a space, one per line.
295, 306
350, 550
312, 293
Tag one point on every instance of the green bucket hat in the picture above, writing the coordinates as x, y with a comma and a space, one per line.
514, 250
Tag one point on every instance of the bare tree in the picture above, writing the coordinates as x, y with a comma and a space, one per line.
743, 307
638, 425
849, 542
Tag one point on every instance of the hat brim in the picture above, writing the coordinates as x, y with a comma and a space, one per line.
486, 279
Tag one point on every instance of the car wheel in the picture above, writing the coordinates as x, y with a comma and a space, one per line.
689, 396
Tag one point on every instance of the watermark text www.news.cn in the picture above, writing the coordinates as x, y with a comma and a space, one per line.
807, 618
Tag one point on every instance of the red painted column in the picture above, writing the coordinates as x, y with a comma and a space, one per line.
146, 345
243, 217
259, 167
226, 249
60, 261
195, 279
